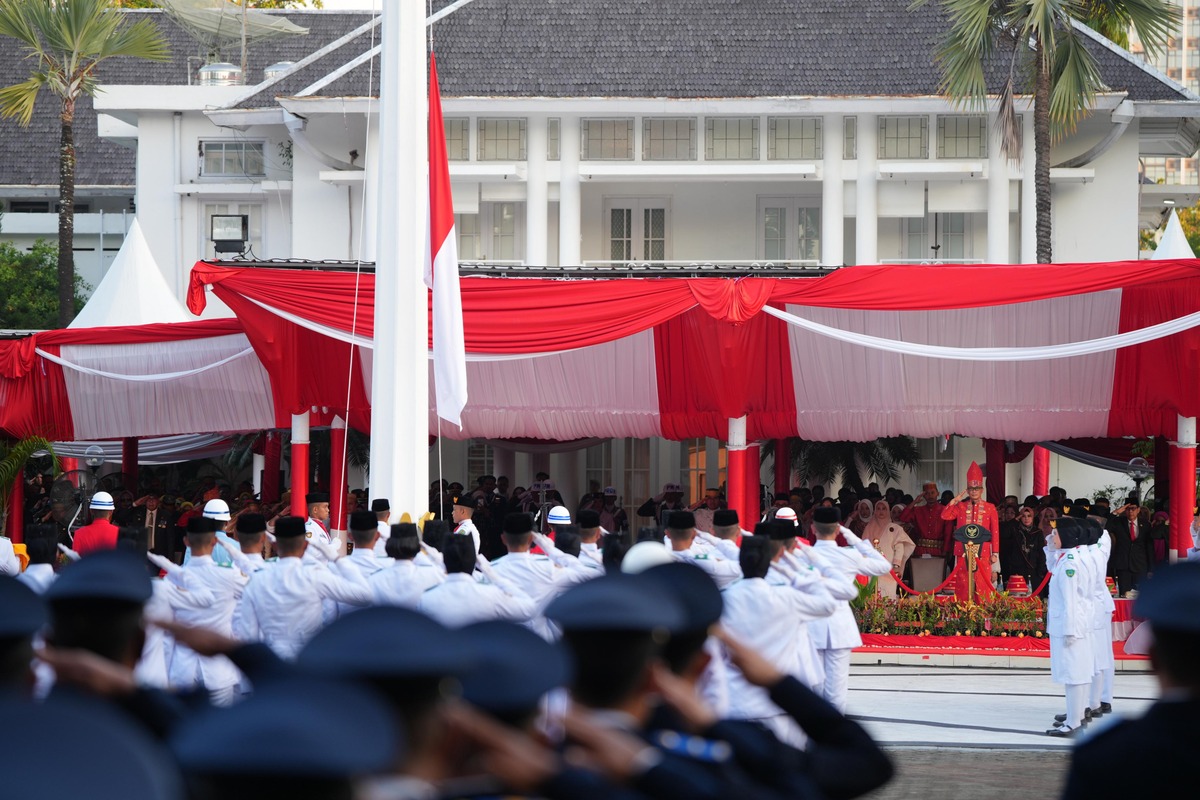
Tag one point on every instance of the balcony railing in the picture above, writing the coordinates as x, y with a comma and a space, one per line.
936, 261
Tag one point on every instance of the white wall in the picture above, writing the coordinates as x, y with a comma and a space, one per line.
1098, 221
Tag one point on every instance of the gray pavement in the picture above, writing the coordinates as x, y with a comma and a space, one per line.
963, 733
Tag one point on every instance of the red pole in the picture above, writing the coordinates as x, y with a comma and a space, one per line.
994, 450
337, 478
735, 484
68, 464
15, 524
783, 466
129, 463
753, 488
1183, 488
1041, 471
299, 482
272, 455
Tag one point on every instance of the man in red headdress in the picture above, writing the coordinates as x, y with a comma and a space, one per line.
975, 511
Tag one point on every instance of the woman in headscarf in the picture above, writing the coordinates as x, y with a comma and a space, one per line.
1024, 554
859, 519
889, 539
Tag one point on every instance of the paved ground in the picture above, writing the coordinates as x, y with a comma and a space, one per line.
961, 733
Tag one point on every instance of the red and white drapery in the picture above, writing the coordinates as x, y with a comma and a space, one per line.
678, 358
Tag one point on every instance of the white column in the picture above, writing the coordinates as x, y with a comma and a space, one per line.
504, 462
536, 193
866, 224
564, 471
1026, 477
569, 204
1028, 192
400, 383
832, 210
997, 194
258, 464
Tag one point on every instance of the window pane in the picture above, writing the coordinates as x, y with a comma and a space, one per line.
775, 233
552, 133
850, 137
654, 234
607, 139
962, 137
794, 138
456, 139
232, 159
668, 139
903, 137
501, 140
809, 234
620, 234
731, 139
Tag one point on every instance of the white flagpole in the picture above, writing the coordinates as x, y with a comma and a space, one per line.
400, 365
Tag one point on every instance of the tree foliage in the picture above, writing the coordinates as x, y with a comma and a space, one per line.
1189, 220
263, 4
13, 456
826, 462
29, 287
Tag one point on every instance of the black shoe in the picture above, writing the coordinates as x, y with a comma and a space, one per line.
1087, 714
1105, 708
1062, 731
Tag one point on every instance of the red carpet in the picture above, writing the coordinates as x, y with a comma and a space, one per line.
970, 645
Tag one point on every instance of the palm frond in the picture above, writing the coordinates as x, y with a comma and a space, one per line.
1074, 83
19, 99
1154, 21
12, 461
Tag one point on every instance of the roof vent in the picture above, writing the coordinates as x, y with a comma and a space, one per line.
220, 73
277, 69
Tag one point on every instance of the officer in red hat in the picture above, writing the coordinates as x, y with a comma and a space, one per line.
974, 510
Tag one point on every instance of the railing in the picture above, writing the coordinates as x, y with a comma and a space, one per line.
648, 269
936, 261
763, 263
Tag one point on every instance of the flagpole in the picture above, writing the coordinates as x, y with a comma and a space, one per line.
400, 368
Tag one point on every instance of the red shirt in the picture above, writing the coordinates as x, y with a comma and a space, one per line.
982, 513
931, 534
100, 535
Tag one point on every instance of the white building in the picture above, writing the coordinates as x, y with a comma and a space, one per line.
675, 132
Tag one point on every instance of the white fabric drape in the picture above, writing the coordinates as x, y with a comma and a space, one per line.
846, 392
235, 396
607, 390
155, 378
154, 450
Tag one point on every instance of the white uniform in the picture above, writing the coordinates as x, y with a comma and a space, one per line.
1069, 622
9, 563
403, 583
467, 528
312, 529
282, 606
706, 557
368, 564
836, 635
152, 667
461, 600
542, 580
188, 669
589, 552
38, 577
385, 533
1103, 606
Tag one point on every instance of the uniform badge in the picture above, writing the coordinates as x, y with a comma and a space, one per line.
1070, 573
1070, 556
308, 535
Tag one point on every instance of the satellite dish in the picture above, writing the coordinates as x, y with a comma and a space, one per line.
222, 28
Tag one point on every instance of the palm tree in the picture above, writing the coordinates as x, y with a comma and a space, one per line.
66, 41
826, 462
1065, 77
13, 456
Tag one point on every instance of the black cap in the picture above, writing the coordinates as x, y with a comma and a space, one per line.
363, 521
754, 557
22, 612
827, 515
289, 527
725, 516
386, 642
316, 497
106, 575
763, 529
693, 589
1071, 532
784, 496
1169, 599
618, 602
681, 520
587, 518
251, 523
782, 529
516, 667
343, 730
380, 505
518, 523
1077, 511
463, 500
201, 525
111, 758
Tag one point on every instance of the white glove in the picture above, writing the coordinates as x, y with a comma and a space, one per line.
553, 553
68, 552
434, 555
851, 538
165, 564
324, 550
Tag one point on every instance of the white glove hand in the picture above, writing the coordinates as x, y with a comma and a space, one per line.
270, 537
850, 537
324, 550
68, 552
165, 564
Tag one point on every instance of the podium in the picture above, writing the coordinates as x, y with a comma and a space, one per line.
927, 573
973, 563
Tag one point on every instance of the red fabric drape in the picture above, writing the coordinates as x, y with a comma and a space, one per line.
1182, 499
1041, 471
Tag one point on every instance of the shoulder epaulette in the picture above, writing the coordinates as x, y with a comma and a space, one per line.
693, 747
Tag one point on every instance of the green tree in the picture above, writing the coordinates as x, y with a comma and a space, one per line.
825, 462
1047, 57
13, 457
264, 4
29, 287
66, 41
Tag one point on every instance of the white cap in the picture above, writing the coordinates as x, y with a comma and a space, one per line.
559, 516
548, 486
102, 501
787, 513
672, 487
217, 509
610, 491
644, 555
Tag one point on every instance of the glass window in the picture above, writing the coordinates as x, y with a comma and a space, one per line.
504, 232
654, 234
501, 140
793, 138
954, 237
775, 233
479, 459
916, 242
620, 233
457, 138
789, 229
962, 137
937, 464
668, 139
552, 133
809, 233
731, 139
607, 139
904, 137
850, 137
232, 159
469, 246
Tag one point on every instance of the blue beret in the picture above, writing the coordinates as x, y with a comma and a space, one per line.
105, 575
693, 589
386, 642
1170, 599
516, 667
22, 612
618, 602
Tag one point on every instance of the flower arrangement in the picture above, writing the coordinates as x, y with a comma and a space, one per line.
925, 615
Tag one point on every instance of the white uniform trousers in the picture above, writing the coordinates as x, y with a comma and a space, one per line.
836, 663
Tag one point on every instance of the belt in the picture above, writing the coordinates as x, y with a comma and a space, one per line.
930, 544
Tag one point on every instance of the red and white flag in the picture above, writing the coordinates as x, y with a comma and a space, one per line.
441, 271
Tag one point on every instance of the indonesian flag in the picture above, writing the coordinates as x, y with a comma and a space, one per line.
441, 271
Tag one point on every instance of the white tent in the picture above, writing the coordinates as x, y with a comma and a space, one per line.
133, 291
1174, 242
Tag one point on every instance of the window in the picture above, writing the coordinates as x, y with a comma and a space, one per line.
789, 229
668, 140
850, 137
492, 235
731, 139
253, 210
552, 138
232, 159
501, 140
694, 467
903, 137
962, 137
637, 473
793, 138
607, 139
950, 234
479, 459
637, 230
29, 206
953, 236
938, 465
457, 138
916, 239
